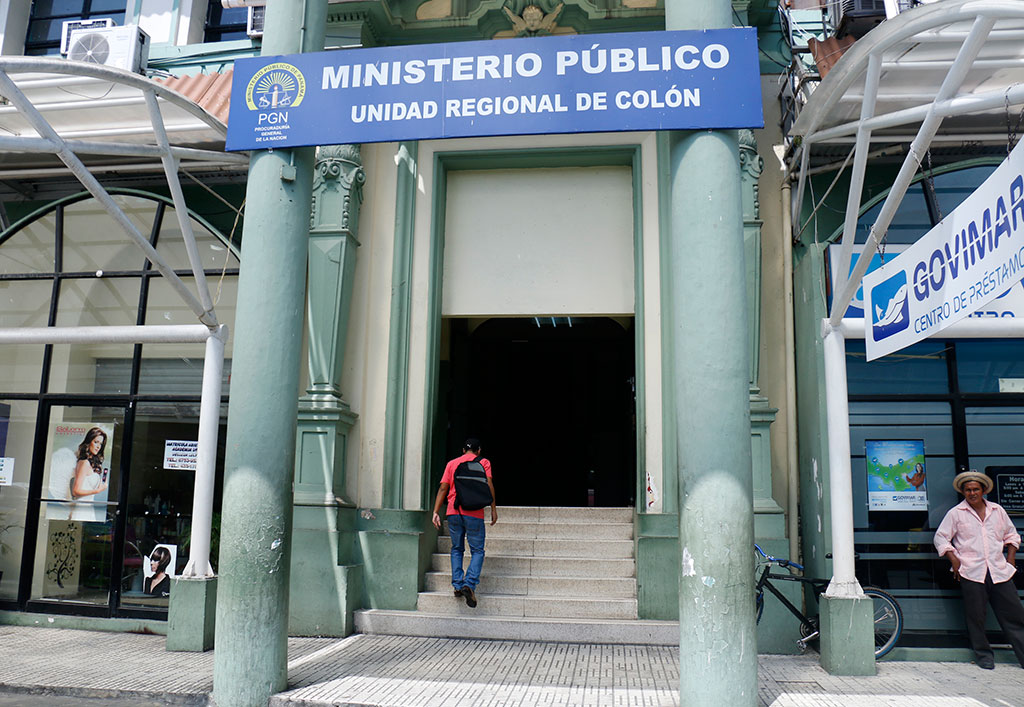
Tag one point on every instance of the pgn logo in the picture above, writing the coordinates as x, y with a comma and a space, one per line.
891, 310
275, 87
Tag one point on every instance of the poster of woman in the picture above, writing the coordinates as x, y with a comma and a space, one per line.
79, 471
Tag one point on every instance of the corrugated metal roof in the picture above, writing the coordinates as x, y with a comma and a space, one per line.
212, 92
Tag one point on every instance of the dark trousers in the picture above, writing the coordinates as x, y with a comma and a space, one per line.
1007, 608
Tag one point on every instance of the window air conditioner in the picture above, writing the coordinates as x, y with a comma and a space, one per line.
121, 47
69, 26
855, 17
254, 24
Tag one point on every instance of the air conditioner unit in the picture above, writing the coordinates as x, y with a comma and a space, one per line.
254, 24
122, 47
856, 17
71, 25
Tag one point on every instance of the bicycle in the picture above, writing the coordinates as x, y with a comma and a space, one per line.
888, 615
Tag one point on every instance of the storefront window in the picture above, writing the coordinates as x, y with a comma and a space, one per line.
30, 249
108, 517
91, 244
81, 478
25, 303
910, 222
915, 370
17, 433
159, 510
951, 188
991, 366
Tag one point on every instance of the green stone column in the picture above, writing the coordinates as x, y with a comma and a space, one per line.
326, 582
251, 650
711, 387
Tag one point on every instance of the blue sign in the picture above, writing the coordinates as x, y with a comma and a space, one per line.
567, 84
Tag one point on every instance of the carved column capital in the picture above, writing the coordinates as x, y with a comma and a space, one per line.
338, 179
751, 167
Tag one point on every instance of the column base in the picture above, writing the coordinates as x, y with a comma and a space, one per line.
191, 615
847, 635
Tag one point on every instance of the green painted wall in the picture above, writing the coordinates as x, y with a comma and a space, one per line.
809, 306
394, 548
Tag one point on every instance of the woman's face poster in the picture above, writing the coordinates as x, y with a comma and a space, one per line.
75, 484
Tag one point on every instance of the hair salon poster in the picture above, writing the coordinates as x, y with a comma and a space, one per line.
896, 475
80, 462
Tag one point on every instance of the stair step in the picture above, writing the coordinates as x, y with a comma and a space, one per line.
495, 564
520, 605
559, 531
597, 631
555, 514
595, 588
527, 547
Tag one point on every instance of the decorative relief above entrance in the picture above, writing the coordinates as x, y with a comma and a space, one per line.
534, 21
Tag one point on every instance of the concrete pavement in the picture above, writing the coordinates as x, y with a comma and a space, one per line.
433, 672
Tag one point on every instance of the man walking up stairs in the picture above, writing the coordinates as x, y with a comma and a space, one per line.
467, 485
553, 574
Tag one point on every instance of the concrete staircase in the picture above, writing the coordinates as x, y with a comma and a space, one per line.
550, 574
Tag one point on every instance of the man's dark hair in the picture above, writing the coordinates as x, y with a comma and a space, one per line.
472, 444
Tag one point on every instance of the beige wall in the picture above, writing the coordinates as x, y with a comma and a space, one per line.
539, 241
772, 372
364, 378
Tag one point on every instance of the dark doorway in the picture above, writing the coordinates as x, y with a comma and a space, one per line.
553, 401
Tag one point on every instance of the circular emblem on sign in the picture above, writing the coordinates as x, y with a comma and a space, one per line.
275, 86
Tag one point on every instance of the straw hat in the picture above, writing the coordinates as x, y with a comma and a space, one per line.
973, 475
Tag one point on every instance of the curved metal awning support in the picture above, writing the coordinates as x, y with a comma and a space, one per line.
34, 132
971, 51
37, 121
948, 72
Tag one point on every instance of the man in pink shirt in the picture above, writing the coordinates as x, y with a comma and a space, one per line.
465, 525
973, 536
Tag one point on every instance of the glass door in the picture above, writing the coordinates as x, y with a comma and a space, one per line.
74, 558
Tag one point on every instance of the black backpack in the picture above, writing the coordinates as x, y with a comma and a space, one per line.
471, 489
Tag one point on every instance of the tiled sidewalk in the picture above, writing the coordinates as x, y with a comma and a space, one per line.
431, 672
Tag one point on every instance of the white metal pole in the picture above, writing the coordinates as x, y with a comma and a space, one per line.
206, 457
860, 162
970, 328
180, 209
149, 334
844, 578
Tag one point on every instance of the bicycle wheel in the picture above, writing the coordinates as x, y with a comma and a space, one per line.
759, 603
888, 620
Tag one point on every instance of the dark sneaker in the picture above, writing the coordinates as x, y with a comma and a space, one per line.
470, 597
458, 592
987, 664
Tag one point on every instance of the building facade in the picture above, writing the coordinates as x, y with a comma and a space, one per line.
511, 288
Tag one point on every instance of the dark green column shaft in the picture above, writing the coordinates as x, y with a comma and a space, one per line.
250, 663
709, 340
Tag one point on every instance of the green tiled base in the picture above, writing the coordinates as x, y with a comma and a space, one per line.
847, 636
191, 615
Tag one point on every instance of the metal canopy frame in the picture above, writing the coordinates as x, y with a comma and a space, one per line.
974, 32
44, 73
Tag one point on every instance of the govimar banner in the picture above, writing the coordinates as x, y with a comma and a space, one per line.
969, 258
676, 80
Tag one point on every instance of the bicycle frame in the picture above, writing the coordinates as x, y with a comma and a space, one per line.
818, 586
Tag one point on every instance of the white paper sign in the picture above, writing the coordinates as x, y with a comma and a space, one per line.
6, 471
180, 454
970, 258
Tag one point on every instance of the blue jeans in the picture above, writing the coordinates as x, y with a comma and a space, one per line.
461, 529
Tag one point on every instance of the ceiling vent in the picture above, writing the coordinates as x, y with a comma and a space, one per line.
121, 47
68, 27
